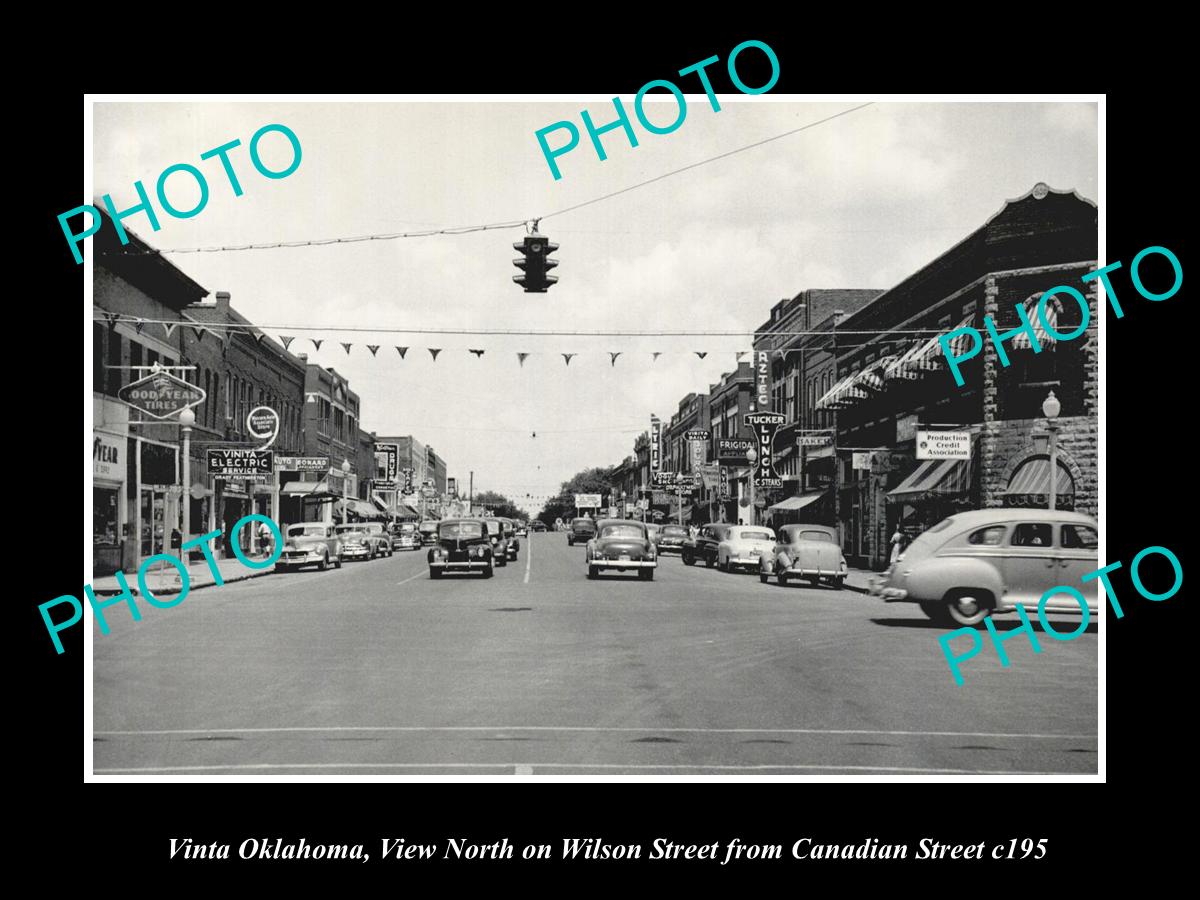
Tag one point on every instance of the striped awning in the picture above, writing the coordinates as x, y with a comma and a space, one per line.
830, 397
1021, 340
793, 503
872, 376
934, 479
898, 368
1034, 478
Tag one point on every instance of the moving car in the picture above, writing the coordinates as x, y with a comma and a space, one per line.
498, 540
703, 547
671, 538
538, 525
743, 546
978, 563
429, 532
308, 544
510, 537
463, 545
805, 551
621, 544
580, 531
405, 536
522, 530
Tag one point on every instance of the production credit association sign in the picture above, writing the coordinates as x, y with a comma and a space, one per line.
161, 395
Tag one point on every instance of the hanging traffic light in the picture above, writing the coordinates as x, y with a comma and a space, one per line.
535, 263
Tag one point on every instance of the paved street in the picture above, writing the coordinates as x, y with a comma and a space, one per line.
375, 669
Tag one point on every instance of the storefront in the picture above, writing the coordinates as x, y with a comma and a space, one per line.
109, 514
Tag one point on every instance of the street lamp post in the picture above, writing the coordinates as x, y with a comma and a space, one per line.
1051, 407
345, 481
752, 458
187, 419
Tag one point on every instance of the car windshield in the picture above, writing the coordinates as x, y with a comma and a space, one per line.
459, 530
429, 526
408, 528
349, 529
306, 531
621, 531
585, 522
674, 531
747, 535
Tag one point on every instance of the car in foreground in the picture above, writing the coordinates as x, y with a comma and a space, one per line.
463, 545
981, 562
580, 531
309, 544
671, 538
498, 540
405, 536
703, 547
621, 544
805, 551
743, 547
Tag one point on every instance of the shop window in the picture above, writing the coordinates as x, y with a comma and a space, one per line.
1079, 537
1032, 534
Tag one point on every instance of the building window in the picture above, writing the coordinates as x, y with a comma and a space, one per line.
114, 359
135, 359
969, 308
944, 321
97, 357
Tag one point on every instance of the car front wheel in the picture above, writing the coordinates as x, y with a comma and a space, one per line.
324, 563
593, 571
435, 574
687, 559
337, 562
762, 576
646, 574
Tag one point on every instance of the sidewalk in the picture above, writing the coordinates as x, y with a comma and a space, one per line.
164, 578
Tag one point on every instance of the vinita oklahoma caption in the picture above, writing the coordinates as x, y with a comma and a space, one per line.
595, 849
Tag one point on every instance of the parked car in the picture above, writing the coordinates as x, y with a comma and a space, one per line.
580, 531
702, 547
309, 544
671, 538
978, 563
805, 551
621, 544
380, 536
498, 541
463, 545
510, 536
429, 532
405, 536
356, 543
743, 546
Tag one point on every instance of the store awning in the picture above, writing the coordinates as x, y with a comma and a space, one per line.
924, 358
815, 453
360, 508
1034, 478
794, 503
404, 511
933, 479
305, 489
872, 376
842, 394
1021, 339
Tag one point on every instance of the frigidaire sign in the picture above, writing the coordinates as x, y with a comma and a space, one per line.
161, 395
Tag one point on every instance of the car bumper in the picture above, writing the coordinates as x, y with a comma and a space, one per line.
463, 566
669, 548
745, 561
805, 572
355, 554
892, 595
299, 559
623, 563
406, 545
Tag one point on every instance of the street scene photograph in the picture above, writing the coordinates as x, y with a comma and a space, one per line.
539, 438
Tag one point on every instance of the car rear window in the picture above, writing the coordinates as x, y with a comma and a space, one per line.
459, 530
675, 530
1032, 534
306, 531
1079, 537
816, 536
621, 531
754, 536
992, 536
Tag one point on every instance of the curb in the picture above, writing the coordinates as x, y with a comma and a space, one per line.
133, 588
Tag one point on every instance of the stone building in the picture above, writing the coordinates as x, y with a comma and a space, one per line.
893, 384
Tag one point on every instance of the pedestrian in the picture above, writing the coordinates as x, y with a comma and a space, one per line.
897, 544
264, 538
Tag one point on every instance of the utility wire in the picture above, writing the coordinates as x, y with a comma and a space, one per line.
468, 229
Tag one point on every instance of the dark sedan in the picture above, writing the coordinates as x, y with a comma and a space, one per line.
621, 544
671, 538
463, 545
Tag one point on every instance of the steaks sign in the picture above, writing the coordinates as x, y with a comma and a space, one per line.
765, 424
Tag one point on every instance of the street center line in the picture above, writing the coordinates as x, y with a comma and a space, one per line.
595, 729
528, 558
411, 577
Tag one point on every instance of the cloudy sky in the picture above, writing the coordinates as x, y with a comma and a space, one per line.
858, 202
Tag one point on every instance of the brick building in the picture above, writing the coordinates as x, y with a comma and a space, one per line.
678, 455
892, 380
729, 400
240, 368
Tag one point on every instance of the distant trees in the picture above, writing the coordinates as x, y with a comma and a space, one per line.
589, 481
500, 505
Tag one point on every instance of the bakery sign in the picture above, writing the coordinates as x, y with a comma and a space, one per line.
943, 445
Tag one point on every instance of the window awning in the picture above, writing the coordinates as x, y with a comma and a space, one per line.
360, 508
794, 503
304, 489
1034, 478
1021, 340
404, 511
843, 394
934, 479
872, 376
923, 358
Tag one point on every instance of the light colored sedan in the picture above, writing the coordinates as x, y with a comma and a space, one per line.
805, 551
743, 547
981, 562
